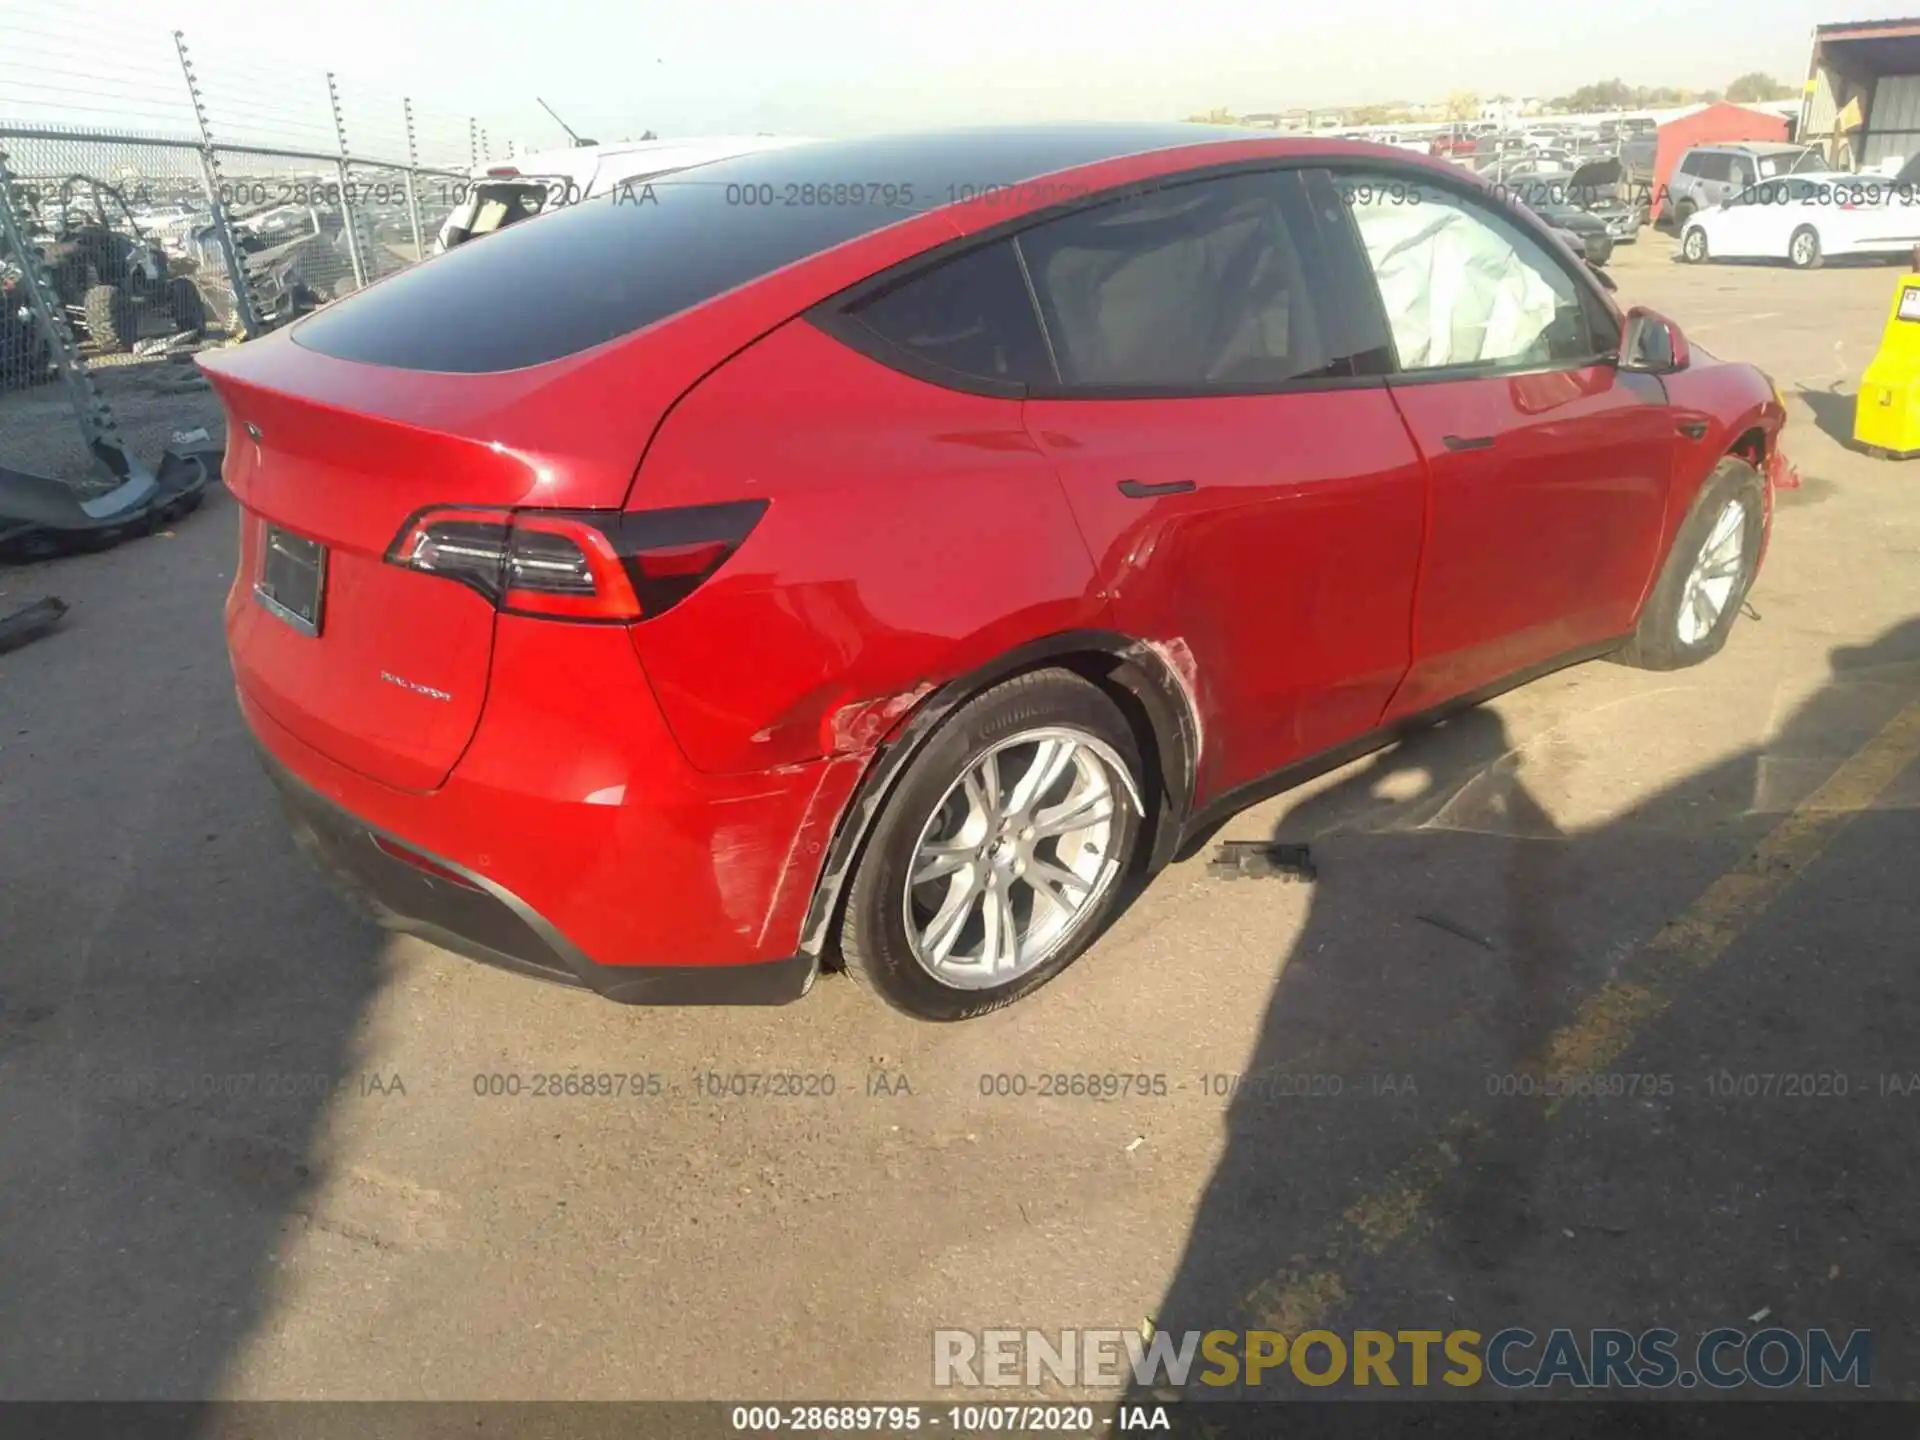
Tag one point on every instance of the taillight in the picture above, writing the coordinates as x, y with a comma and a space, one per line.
574, 564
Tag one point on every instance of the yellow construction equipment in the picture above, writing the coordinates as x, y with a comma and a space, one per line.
1886, 418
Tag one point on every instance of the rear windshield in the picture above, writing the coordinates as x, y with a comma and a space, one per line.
586, 273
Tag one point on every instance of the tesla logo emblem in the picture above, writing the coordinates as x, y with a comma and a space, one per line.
415, 686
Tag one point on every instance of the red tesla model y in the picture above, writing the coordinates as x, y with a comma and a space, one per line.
886, 553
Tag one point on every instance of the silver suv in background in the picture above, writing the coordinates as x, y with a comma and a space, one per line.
1710, 175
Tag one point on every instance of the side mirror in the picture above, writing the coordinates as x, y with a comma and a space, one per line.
1652, 344
1607, 282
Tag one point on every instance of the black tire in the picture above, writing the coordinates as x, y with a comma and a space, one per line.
874, 941
187, 307
1682, 213
1811, 251
25, 356
112, 320
1657, 643
1692, 253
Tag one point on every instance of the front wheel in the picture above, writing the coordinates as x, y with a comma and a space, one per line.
1693, 248
1707, 575
1803, 250
1000, 854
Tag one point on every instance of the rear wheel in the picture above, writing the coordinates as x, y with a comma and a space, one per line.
1693, 247
1803, 249
1000, 853
112, 320
1682, 214
1707, 575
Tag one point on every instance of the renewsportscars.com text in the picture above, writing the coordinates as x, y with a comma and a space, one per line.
1513, 1358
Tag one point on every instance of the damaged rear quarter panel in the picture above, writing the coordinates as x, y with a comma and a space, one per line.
914, 534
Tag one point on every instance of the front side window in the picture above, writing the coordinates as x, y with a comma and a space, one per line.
1208, 284
1465, 286
1740, 172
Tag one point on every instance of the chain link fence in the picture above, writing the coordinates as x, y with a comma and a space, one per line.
159, 200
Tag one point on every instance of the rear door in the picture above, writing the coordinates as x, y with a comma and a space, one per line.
1251, 500
1549, 466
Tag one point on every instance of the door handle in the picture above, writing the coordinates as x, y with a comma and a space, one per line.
1694, 429
1467, 442
1140, 490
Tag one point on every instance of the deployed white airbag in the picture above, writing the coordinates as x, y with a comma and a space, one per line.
1457, 291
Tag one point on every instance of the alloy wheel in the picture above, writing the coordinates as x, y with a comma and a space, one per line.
1715, 574
1014, 857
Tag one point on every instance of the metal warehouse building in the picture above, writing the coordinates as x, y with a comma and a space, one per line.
1876, 62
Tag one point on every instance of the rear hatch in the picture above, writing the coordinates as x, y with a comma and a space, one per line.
506, 376
383, 668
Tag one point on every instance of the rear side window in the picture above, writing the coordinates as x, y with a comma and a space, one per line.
1708, 165
971, 316
1210, 284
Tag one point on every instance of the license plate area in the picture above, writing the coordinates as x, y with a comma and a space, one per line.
292, 583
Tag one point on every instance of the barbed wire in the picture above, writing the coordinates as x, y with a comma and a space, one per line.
83, 67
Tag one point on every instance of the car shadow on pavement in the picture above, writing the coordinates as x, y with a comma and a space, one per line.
182, 999
1832, 412
1390, 1159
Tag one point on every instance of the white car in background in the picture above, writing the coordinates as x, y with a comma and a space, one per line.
1806, 219
502, 193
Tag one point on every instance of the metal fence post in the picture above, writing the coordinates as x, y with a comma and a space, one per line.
348, 220
243, 309
98, 428
413, 193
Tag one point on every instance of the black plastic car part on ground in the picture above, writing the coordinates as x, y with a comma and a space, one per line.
28, 623
41, 518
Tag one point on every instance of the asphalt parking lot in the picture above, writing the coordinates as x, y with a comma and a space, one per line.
249, 1151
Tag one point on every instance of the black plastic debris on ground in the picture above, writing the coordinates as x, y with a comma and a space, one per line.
1261, 860
30, 622
41, 518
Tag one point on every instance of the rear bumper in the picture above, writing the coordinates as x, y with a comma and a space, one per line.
472, 916
572, 840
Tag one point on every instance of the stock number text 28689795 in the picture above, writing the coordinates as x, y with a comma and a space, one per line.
251, 194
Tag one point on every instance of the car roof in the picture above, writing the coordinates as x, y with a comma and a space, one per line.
1754, 147
973, 157
823, 215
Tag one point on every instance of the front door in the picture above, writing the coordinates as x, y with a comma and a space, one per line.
1549, 467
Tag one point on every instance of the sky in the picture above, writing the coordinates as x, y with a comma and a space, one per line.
832, 67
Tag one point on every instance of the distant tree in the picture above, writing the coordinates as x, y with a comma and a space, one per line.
1758, 85
1605, 95
1463, 105
1214, 117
